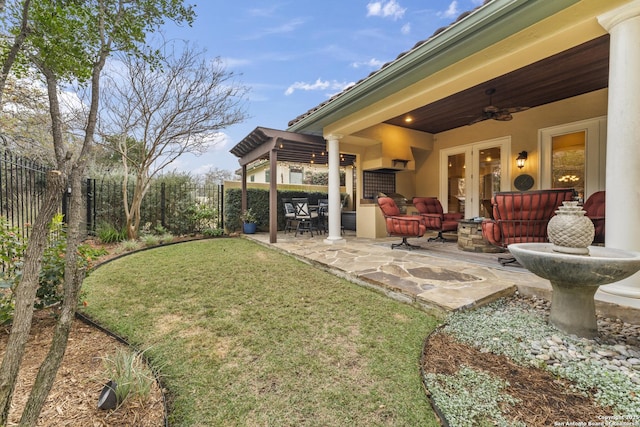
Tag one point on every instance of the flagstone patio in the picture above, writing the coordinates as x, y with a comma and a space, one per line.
438, 277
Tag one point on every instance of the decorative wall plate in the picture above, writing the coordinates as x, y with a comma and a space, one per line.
523, 182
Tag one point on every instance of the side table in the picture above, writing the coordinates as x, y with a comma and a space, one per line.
470, 238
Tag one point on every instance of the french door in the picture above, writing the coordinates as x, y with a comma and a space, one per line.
471, 173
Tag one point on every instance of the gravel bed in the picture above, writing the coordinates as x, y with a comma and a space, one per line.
608, 367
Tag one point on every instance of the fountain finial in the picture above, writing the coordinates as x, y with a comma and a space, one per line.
570, 231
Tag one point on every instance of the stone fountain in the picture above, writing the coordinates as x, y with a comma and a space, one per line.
574, 268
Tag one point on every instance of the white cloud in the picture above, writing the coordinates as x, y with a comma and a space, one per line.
372, 63
264, 12
317, 85
235, 62
389, 9
218, 141
451, 12
406, 28
287, 27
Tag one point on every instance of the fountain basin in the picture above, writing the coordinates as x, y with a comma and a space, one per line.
575, 280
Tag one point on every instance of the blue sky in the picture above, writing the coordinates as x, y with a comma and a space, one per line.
294, 54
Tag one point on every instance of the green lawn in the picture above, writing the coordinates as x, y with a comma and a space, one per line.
245, 335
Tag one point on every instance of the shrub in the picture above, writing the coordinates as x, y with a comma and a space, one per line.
127, 246
51, 278
150, 240
131, 374
107, 233
201, 216
213, 232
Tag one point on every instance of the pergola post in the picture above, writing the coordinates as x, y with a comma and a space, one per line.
273, 195
243, 202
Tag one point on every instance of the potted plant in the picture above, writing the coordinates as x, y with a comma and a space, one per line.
248, 222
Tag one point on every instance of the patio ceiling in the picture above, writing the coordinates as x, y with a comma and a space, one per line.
290, 147
582, 69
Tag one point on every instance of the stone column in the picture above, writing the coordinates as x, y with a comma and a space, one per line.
335, 217
623, 138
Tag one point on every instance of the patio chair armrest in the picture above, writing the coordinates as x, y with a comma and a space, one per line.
433, 220
491, 232
453, 216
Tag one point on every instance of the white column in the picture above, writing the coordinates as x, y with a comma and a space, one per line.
623, 138
335, 217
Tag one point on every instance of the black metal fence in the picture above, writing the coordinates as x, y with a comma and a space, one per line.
22, 187
179, 206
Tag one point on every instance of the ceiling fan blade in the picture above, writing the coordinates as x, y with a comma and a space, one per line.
495, 113
514, 109
479, 119
502, 116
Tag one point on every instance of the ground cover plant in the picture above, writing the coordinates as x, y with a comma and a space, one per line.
245, 335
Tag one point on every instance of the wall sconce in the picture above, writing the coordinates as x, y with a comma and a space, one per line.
522, 157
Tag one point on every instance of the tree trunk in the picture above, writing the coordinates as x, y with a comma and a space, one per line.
73, 276
25, 293
12, 53
133, 211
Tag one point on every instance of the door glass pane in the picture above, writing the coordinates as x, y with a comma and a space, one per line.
456, 190
489, 178
568, 162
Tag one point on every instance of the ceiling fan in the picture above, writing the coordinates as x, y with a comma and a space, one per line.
494, 113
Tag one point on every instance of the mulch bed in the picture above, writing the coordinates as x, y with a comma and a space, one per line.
544, 399
73, 401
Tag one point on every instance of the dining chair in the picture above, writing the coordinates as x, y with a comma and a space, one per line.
323, 215
307, 218
289, 214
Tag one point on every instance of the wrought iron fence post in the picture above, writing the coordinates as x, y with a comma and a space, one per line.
163, 205
221, 205
91, 226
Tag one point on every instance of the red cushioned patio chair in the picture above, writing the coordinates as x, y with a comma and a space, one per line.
595, 207
399, 224
435, 219
522, 217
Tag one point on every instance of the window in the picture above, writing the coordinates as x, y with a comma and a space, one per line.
295, 175
252, 178
267, 175
573, 155
568, 161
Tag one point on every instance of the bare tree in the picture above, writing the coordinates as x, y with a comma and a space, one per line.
156, 113
217, 176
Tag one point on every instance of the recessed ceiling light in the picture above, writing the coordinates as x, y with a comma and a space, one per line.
408, 119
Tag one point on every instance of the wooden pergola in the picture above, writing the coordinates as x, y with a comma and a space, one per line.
278, 145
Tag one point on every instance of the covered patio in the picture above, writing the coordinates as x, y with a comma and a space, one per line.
508, 79
282, 146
